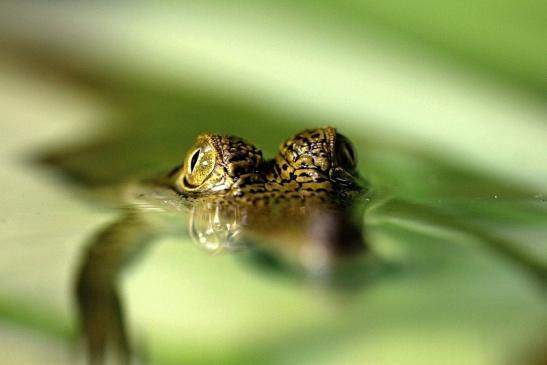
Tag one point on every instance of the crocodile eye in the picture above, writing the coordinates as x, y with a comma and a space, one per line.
199, 165
214, 163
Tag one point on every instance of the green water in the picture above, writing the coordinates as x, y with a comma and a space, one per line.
448, 120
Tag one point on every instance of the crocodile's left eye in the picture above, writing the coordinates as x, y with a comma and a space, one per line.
345, 153
199, 164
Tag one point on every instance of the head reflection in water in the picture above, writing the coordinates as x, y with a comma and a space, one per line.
296, 207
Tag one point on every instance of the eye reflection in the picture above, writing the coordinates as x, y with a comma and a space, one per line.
215, 227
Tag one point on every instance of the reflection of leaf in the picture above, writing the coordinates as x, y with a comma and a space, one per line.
437, 218
446, 288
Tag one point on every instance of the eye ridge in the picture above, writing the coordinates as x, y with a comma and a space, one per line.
194, 160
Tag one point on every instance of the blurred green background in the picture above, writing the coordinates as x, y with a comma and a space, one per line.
444, 102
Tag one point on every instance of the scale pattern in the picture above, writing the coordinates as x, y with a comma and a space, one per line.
301, 172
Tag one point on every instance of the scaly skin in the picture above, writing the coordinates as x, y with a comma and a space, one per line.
316, 165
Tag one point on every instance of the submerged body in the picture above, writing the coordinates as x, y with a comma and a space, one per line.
297, 206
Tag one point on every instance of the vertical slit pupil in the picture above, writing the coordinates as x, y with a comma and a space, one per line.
194, 160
